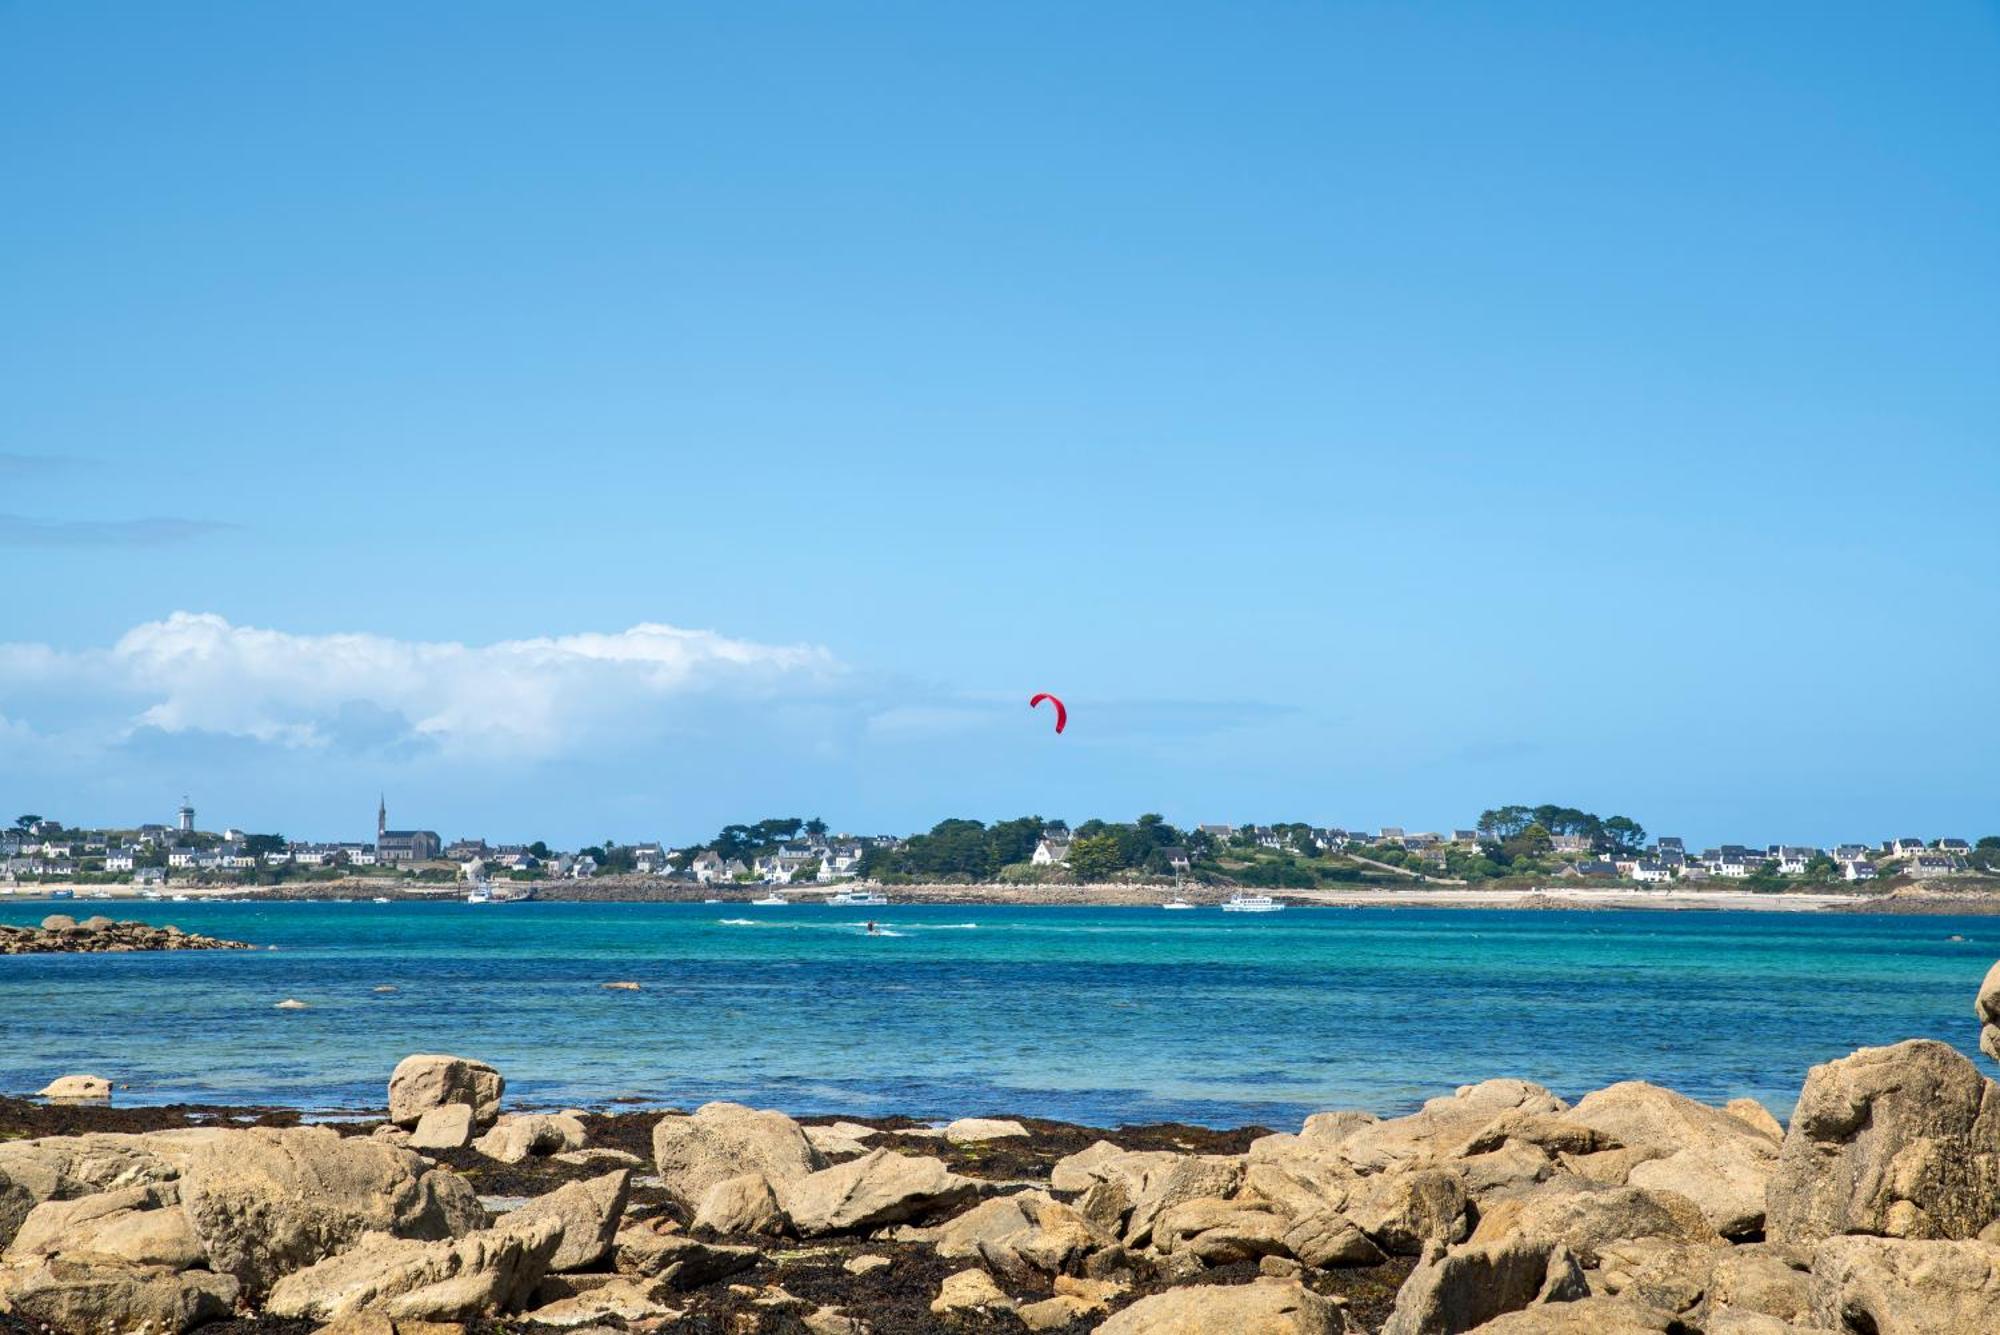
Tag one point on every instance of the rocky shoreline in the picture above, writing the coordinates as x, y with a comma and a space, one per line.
61, 934
1498, 1208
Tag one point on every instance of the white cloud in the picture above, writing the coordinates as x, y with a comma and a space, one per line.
528, 699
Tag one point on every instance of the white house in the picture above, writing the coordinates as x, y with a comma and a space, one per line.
707, 866
841, 862
1904, 848
1858, 870
1570, 843
182, 857
1733, 867
1650, 870
1050, 852
584, 867
120, 859
650, 860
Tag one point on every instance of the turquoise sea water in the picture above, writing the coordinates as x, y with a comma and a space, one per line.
1100, 1016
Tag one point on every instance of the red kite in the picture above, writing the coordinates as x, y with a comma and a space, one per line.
1062, 715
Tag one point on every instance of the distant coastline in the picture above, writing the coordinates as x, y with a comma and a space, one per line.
1959, 897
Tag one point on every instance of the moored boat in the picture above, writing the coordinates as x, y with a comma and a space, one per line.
1241, 903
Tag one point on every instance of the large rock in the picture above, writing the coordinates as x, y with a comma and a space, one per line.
1266, 1307
1719, 1161
266, 1202
1456, 1290
445, 1127
1987, 1007
1582, 1216
1102, 1161
142, 1226
1183, 1177
725, 1140
969, 1291
1403, 1212
1220, 1232
1443, 1125
1897, 1287
625, 1299
976, 1130
101, 1299
589, 1213
78, 1089
430, 1080
1900, 1141
61, 1168
744, 1204
523, 1135
493, 1270
881, 1187
678, 1261
1588, 1316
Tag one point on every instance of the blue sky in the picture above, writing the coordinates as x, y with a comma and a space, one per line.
1359, 413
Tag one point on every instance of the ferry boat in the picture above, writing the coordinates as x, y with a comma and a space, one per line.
773, 900
860, 899
1251, 904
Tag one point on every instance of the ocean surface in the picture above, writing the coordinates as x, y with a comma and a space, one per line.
1100, 1016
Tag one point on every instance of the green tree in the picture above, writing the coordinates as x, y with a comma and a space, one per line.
1621, 834
1094, 857
539, 850
259, 844
1533, 841
23, 823
816, 828
1822, 869
1990, 841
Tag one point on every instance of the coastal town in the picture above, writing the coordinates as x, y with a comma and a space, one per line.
1507, 844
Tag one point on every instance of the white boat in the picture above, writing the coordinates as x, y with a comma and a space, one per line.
380, 899
771, 901
1177, 903
480, 893
860, 899
1251, 904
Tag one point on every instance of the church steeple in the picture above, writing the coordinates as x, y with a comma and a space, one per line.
381, 817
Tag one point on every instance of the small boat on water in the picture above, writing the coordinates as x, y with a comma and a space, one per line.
860, 899
771, 901
379, 899
1177, 903
62, 894
480, 893
1240, 903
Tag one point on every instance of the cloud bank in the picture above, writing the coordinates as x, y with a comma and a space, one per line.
528, 699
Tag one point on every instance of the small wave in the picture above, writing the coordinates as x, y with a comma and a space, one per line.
883, 931
738, 922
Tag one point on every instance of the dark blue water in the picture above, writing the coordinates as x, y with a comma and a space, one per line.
1092, 1015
